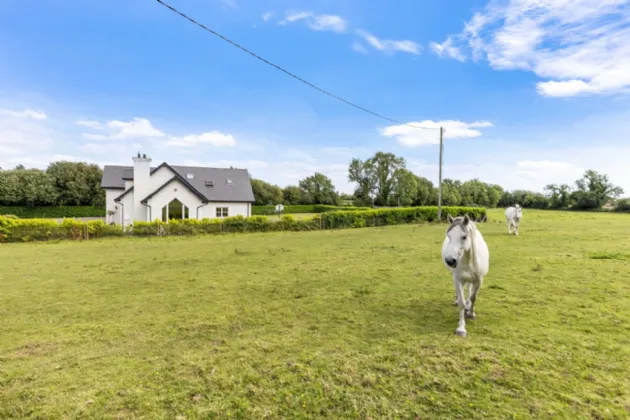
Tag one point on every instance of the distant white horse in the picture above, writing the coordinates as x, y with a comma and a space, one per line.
466, 255
513, 216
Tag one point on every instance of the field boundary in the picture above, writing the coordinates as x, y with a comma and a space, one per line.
27, 230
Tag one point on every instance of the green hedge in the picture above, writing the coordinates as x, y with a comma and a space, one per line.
56, 212
303, 208
15, 230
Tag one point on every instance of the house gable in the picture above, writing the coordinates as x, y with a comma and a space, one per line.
176, 178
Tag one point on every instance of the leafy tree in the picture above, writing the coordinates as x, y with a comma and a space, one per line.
405, 188
376, 175
265, 193
319, 188
594, 190
77, 183
362, 173
451, 195
27, 187
559, 195
494, 194
426, 193
292, 195
474, 193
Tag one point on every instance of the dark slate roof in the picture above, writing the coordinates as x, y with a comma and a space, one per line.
240, 190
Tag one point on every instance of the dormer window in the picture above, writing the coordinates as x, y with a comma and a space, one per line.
209, 183
190, 176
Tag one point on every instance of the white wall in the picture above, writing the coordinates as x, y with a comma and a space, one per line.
167, 195
110, 194
234, 209
128, 184
127, 210
158, 178
141, 186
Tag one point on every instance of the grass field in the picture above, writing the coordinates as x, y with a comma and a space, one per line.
298, 216
331, 324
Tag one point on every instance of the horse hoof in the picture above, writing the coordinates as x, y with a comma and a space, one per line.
472, 316
461, 333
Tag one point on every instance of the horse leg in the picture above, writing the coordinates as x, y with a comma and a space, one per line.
516, 228
509, 223
461, 303
470, 313
469, 285
456, 293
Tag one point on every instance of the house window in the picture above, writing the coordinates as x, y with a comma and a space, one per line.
190, 176
175, 210
229, 181
222, 212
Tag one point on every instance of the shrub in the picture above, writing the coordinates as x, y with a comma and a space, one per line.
623, 206
56, 212
12, 229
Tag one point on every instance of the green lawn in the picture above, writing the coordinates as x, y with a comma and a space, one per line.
296, 216
330, 324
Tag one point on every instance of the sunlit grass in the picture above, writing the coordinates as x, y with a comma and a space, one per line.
330, 324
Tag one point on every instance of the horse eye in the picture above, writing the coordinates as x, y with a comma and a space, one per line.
464, 237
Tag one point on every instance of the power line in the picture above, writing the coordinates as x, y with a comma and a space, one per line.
288, 72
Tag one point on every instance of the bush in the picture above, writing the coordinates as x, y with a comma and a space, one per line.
57, 212
623, 206
45, 229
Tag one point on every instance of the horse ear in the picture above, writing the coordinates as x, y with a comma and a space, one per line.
449, 218
466, 219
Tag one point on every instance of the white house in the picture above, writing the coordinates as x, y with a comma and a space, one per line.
143, 193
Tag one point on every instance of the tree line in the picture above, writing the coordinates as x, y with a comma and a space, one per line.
61, 184
383, 180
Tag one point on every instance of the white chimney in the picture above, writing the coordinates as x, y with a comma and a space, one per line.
141, 182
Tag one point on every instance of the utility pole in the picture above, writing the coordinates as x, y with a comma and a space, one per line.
439, 215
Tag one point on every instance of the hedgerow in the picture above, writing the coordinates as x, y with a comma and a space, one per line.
15, 230
56, 212
304, 208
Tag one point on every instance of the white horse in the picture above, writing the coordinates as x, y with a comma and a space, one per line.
466, 255
513, 216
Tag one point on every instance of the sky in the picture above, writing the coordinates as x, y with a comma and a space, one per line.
530, 92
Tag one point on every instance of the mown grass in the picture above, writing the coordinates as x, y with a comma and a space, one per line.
333, 324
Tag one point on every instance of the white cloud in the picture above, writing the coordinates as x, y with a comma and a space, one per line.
42, 161
543, 164
388, 45
578, 47
91, 124
317, 22
91, 136
230, 3
358, 47
137, 128
447, 49
212, 138
36, 115
23, 134
267, 15
413, 137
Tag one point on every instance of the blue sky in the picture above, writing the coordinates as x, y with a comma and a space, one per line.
529, 92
